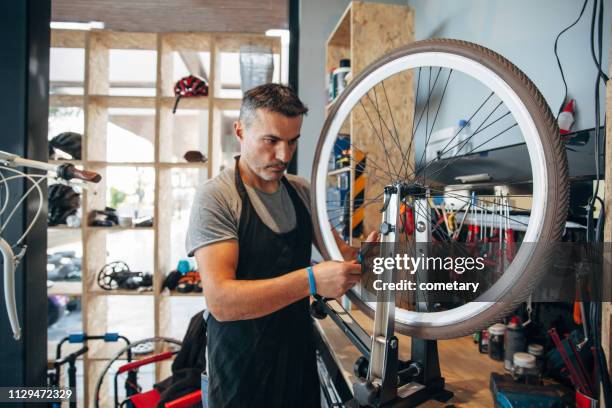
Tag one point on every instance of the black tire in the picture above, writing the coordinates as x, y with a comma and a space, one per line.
556, 171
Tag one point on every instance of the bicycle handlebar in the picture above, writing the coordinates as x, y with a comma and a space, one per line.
68, 172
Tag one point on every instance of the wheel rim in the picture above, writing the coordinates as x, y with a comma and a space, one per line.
485, 75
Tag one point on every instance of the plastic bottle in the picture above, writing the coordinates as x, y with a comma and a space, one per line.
463, 143
339, 75
331, 86
566, 118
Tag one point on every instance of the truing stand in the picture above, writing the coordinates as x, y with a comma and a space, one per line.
384, 380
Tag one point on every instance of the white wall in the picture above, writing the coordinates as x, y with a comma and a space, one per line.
522, 30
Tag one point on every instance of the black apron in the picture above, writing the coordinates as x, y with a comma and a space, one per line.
270, 361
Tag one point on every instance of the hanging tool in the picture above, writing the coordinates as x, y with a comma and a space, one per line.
458, 230
529, 308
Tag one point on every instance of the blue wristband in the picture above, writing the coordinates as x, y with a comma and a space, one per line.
311, 281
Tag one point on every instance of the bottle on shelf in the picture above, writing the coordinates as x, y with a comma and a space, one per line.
339, 76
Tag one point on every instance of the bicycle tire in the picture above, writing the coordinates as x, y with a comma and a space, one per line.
555, 175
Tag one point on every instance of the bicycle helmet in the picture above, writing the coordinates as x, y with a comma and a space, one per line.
63, 201
68, 142
189, 86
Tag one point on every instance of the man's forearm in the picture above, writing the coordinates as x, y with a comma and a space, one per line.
249, 299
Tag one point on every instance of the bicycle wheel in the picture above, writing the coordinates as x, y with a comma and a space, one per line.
400, 117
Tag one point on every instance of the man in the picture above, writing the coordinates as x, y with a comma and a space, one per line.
251, 233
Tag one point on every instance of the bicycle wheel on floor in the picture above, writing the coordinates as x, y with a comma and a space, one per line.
467, 128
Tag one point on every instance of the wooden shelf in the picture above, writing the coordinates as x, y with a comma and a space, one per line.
189, 294
63, 227
66, 288
66, 101
192, 102
339, 171
73, 162
116, 101
364, 33
97, 163
169, 135
120, 228
120, 292
171, 165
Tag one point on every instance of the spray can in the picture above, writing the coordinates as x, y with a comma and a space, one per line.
514, 341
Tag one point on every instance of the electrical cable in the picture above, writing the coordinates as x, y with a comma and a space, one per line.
597, 61
595, 310
557, 55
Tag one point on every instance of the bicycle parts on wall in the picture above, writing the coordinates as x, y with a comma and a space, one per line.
400, 115
117, 275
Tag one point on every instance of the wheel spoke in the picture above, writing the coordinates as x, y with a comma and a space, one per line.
454, 159
384, 146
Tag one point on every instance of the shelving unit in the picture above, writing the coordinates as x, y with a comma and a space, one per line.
365, 32
151, 152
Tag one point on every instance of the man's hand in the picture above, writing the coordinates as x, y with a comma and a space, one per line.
334, 279
348, 252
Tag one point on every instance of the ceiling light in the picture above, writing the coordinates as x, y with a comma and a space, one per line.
64, 25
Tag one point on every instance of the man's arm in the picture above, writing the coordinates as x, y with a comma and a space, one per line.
231, 299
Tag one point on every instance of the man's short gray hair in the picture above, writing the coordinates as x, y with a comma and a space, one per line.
273, 97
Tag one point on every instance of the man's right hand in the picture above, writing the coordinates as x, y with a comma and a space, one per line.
334, 278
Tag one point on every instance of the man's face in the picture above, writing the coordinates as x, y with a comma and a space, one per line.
268, 143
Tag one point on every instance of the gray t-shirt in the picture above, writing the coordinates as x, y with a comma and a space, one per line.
216, 209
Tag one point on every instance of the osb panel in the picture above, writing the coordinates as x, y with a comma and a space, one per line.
97, 65
68, 38
186, 42
176, 15
387, 26
131, 41
380, 128
227, 43
377, 29
341, 35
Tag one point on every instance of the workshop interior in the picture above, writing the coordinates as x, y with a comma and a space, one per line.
473, 129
